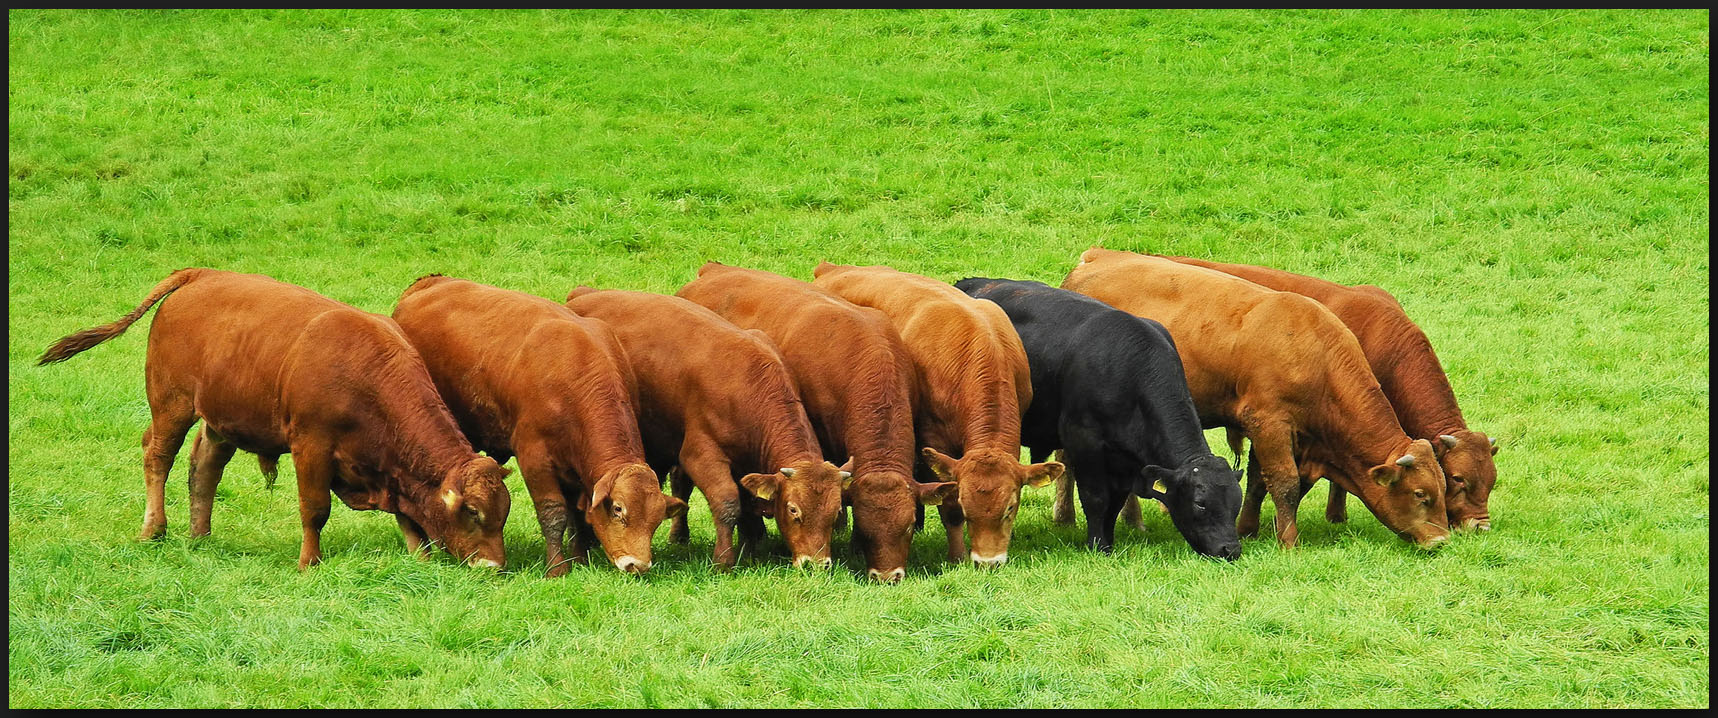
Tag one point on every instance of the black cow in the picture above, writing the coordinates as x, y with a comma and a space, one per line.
1109, 390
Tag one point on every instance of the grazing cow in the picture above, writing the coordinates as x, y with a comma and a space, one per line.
1107, 389
273, 368
972, 385
1411, 377
856, 381
526, 377
716, 403
1284, 371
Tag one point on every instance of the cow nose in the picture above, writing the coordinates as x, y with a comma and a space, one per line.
989, 561
1230, 551
631, 565
485, 563
817, 563
893, 576
1434, 542
1478, 523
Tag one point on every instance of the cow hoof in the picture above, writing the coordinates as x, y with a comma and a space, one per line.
558, 570
152, 533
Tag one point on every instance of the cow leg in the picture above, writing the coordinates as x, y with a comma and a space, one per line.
1130, 512
681, 486
414, 534
752, 531
1248, 524
580, 538
1100, 515
1274, 448
161, 443
209, 456
1336, 511
1062, 511
708, 469
315, 468
954, 523
550, 501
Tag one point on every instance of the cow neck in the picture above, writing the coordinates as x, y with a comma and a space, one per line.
987, 407
1414, 380
603, 434
423, 447
785, 434
878, 422
1362, 429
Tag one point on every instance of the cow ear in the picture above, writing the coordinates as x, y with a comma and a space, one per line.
1146, 486
1494, 447
676, 508
846, 479
452, 498
1386, 474
1040, 475
935, 494
762, 486
941, 464
848, 467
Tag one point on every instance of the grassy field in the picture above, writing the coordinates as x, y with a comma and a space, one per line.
1532, 186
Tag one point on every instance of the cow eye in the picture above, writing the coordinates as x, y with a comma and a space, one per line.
1458, 480
1420, 494
793, 510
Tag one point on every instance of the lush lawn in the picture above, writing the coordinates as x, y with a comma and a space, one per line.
1532, 186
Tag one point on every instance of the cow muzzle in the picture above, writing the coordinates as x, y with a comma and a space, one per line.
631, 564
1432, 543
1477, 523
989, 561
821, 564
484, 563
891, 576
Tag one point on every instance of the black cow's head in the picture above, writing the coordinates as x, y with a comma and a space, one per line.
1203, 498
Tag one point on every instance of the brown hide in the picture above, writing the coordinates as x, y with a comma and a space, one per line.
273, 368
855, 379
717, 404
526, 377
1413, 380
1286, 372
972, 384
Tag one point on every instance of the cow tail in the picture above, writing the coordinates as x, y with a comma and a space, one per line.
74, 343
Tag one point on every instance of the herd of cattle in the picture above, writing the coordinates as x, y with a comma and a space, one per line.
750, 386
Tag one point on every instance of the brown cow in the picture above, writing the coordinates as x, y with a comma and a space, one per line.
1285, 371
526, 377
856, 381
715, 402
1408, 370
973, 384
273, 368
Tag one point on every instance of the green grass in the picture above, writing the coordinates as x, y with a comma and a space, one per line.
1532, 186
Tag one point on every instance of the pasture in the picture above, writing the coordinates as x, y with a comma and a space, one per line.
1532, 186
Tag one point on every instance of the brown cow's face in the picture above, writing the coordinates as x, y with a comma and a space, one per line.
989, 489
476, 502
883, 517
805, 498
1470, 472
1413, 502
623, 510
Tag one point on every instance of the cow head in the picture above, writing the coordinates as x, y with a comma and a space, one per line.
474, 502
989, 489
1204, 499
1413, 501
883, 516
623, 509
1469, 472
805, 498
